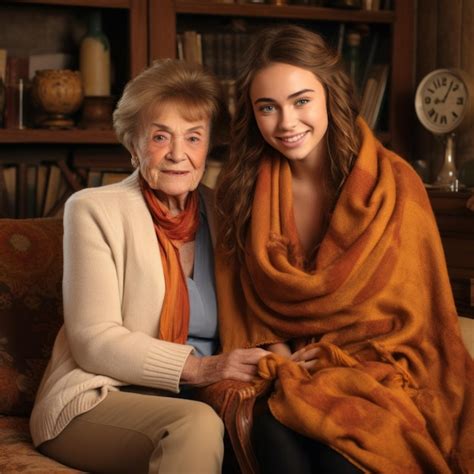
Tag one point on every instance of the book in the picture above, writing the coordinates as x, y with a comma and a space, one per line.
379, 94
111, 177
52, 188
220, 55
228, 60
3, 64
352, 57
180, 46
4, 208
31, 191
9, 176
94, 178
192, 50
209, 52
17, 69
371, 5
341, 32
41, 177
374, 41
373, 94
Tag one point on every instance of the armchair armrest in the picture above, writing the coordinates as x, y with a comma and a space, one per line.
234, 402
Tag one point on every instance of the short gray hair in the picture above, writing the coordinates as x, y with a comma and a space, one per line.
169, 80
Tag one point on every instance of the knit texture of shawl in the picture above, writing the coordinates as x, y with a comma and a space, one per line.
393, 386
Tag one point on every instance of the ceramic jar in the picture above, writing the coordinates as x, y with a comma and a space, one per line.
58, 92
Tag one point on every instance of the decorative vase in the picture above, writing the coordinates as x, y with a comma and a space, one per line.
447, 176
57, 92
97, 112
94, 58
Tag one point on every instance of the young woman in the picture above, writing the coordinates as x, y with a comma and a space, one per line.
329, 257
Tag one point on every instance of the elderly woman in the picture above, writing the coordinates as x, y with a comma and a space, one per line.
139, 299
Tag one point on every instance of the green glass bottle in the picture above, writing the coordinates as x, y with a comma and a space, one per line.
94, 61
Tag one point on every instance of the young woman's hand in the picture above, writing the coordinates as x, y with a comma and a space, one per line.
240, 364
305, 357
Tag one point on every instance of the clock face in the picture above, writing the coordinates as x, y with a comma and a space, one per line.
441, 101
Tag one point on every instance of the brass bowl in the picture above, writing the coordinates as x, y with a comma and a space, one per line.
58, 92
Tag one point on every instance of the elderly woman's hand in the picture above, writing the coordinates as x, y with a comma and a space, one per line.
240, 364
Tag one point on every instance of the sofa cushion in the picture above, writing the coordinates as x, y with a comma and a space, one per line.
17, 453
30, 306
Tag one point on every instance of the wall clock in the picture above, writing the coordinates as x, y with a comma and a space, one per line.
442, 103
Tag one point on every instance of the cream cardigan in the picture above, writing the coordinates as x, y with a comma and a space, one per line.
113, 289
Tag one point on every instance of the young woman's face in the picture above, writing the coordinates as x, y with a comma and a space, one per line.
174, 151
289, 104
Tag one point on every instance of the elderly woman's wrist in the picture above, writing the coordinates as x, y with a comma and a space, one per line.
191, 370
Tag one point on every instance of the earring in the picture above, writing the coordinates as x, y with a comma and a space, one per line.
134, 161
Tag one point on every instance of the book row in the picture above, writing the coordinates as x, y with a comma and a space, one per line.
41, 190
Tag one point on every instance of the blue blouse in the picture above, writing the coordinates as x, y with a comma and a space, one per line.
202, 293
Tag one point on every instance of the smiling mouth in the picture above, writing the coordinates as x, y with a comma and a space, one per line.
175, 173
293, 138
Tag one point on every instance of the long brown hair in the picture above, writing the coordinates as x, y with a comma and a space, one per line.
302, 48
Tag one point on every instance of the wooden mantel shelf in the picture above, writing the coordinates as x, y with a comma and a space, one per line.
284, 11
74, 136
77, 3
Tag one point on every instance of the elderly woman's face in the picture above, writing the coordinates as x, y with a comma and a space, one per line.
173, 154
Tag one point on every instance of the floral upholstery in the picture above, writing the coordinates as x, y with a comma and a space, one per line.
17, 453
30, 307
30, 316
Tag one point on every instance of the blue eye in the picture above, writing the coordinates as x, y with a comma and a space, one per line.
266, 108
302, 101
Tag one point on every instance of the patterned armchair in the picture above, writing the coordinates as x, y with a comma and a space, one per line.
30, 316
31, 313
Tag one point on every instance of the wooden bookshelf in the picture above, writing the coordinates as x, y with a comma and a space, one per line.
77, 3
31, 158
165, 17
294, 12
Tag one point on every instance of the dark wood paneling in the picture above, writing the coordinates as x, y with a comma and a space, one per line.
466, 139
445, 33
449, 33
138, 36
402, 114
162, 37
427, 34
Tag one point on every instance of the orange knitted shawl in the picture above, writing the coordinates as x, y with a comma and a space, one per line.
393, 388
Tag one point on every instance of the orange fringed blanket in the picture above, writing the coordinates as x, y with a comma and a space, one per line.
393, 387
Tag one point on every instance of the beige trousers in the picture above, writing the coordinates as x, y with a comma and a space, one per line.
136, 433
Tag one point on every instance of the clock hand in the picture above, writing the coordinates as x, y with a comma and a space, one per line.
447, 93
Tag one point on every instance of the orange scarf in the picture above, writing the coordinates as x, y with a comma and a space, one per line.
172, 232
393, 388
